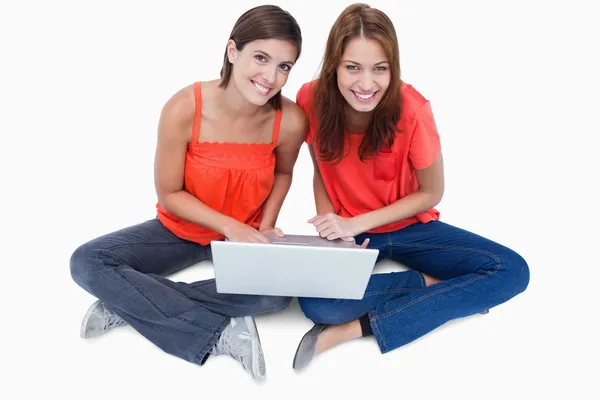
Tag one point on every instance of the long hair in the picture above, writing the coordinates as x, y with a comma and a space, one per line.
357, 20
262, 22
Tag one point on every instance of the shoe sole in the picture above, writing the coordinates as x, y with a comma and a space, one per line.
308, 340
255, 342
86, 318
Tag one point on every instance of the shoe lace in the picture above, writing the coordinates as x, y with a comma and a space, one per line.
228, 343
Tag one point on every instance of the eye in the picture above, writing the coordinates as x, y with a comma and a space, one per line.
285, 67
260, 58
351, 67
380, 69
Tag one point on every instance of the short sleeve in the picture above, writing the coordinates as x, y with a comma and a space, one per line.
303, 99
425, 146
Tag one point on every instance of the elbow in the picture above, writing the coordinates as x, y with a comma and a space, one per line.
437, 197
165, 199
433, 198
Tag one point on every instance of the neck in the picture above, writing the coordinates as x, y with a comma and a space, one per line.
355, 121
235, 104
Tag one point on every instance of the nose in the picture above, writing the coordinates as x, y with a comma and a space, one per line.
366, 81
269, 74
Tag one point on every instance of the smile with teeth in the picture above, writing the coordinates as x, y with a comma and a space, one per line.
364, 96
262, 89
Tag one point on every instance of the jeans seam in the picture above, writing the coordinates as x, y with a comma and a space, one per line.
422, 279
443, 290
212, 341
377, 333
137, 288
390, 245
392, 291
440, 246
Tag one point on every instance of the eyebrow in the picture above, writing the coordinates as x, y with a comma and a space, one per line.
269, 57
354, 62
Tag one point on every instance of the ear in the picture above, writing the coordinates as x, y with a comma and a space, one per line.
231, 50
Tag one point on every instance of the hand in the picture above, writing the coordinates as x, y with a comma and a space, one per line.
240, 232
332, 226
275, 231
362, 246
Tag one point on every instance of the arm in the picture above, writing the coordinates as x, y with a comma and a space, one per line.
430, 193
322, 201
174, 132
431, 189
293, 132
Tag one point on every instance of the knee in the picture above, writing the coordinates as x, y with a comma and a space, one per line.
275, 303
322, 311
81, 265
516, 273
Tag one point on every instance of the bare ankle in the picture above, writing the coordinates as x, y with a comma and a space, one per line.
430, 280
337, 334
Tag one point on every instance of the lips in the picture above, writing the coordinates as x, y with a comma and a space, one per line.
364, 96
261, 89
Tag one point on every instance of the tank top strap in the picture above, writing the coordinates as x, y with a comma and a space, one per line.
197, 113
276, 126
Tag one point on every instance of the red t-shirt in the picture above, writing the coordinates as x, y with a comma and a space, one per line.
356, 187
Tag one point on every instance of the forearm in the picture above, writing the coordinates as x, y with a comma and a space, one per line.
274, 202
322, 202
185, 206
409, 206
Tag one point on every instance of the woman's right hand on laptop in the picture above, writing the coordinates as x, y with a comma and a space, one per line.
240, 232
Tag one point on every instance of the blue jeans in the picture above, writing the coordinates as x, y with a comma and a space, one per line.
477, 274
126, 270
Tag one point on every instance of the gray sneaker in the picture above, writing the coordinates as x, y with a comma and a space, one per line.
240, 340
98, 320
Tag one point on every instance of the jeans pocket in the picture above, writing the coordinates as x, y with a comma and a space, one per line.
385, 166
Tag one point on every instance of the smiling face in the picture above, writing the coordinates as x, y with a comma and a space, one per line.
363, 75
261, 68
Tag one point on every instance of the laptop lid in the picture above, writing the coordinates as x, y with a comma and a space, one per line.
300, 268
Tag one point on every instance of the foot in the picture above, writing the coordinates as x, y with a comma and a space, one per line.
240, 340
98, 320
307, 347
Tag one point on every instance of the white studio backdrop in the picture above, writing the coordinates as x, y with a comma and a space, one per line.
514, 89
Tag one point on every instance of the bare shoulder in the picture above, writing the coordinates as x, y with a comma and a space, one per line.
294, 123
177, 114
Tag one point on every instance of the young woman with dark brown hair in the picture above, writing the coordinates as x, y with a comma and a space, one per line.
224, 159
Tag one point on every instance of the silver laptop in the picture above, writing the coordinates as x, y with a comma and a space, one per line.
295, 266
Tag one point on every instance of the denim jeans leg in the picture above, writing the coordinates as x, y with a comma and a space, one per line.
126, 269
477, 274
381, 288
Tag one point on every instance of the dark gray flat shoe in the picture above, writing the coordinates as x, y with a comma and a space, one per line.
306, 348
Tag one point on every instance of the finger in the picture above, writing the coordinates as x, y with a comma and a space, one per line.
348, 238
333, 236
310, 221
318, 220
259, 238
322, 218
325, 233
324, 226
365, 243
279, 232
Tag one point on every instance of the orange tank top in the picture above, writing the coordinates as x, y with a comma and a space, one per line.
234, 179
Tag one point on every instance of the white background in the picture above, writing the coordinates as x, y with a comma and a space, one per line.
514, 88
